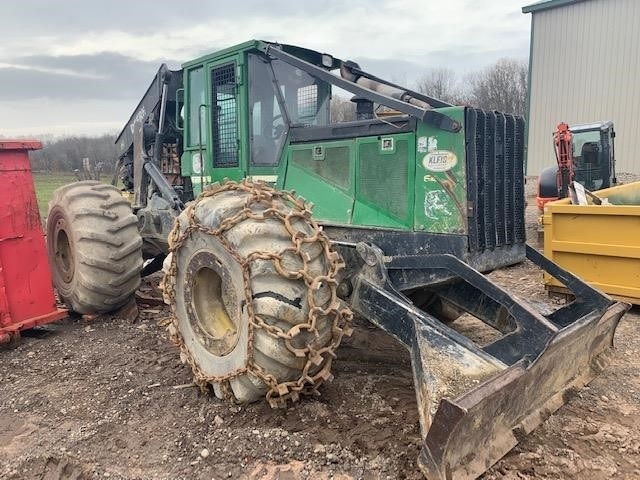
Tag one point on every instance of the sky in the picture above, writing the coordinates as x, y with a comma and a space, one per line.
79, 67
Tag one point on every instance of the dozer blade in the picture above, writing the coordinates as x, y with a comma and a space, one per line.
476, 403
470, 433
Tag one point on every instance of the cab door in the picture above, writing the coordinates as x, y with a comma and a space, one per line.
195, 163
227, 130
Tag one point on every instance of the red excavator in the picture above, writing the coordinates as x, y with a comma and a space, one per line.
585, 154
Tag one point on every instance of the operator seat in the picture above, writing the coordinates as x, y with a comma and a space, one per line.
589, 154
588, 173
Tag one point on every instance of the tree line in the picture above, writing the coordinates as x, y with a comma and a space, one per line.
66, 154
501, 86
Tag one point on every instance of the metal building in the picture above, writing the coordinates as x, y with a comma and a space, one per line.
584, 66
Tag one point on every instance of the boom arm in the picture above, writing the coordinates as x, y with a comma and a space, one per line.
563, 145
358, 82
149, 106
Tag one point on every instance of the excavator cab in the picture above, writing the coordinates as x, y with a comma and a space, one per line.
594, 166
593, 162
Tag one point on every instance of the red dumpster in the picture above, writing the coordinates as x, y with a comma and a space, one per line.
26, 291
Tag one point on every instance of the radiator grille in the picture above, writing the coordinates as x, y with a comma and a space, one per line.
495, 178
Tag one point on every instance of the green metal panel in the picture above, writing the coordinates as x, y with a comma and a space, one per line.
224, 53
329, 161
440, 181
385, 169
398, 181
323, 174
371, 216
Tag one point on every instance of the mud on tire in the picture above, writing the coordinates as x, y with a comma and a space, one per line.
94, 248
252, 281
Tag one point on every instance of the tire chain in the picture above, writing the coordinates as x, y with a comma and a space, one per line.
279, 394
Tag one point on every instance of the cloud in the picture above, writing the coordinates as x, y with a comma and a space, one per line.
54, 71
143, 17
101, 76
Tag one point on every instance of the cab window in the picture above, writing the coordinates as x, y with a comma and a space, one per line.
197, 114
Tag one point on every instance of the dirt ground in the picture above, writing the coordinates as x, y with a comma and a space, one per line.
109, 398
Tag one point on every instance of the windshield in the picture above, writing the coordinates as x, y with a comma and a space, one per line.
304, 98
588, 159
580, 138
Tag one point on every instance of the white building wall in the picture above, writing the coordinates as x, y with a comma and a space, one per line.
585, 67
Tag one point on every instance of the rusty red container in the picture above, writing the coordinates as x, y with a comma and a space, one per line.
26, 290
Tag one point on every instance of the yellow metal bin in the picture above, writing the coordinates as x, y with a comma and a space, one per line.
599, 243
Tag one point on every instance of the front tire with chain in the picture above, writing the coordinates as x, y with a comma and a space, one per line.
252, 281
94, 247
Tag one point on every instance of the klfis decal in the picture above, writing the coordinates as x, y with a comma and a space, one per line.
439, 161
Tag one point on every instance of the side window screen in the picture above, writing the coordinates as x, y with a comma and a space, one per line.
307, 102
224, 116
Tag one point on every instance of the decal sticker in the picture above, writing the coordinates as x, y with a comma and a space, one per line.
199, 179
439, 161
196, 163
386, 145
422, 144
435, 205
318, 152
433, 144
139, 117
263, 178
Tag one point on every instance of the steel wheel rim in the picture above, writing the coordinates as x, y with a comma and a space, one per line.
64, 258
211, 304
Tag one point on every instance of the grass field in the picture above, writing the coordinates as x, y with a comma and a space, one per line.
46, 183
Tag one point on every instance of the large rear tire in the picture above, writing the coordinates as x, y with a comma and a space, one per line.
94, 248
252, 281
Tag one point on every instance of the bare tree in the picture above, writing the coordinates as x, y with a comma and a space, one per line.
342, 109
66, 154
443, 84
501, 86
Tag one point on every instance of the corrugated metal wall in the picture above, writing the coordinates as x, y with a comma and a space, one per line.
586, 68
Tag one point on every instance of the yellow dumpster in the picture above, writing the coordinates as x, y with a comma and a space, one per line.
600, 243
